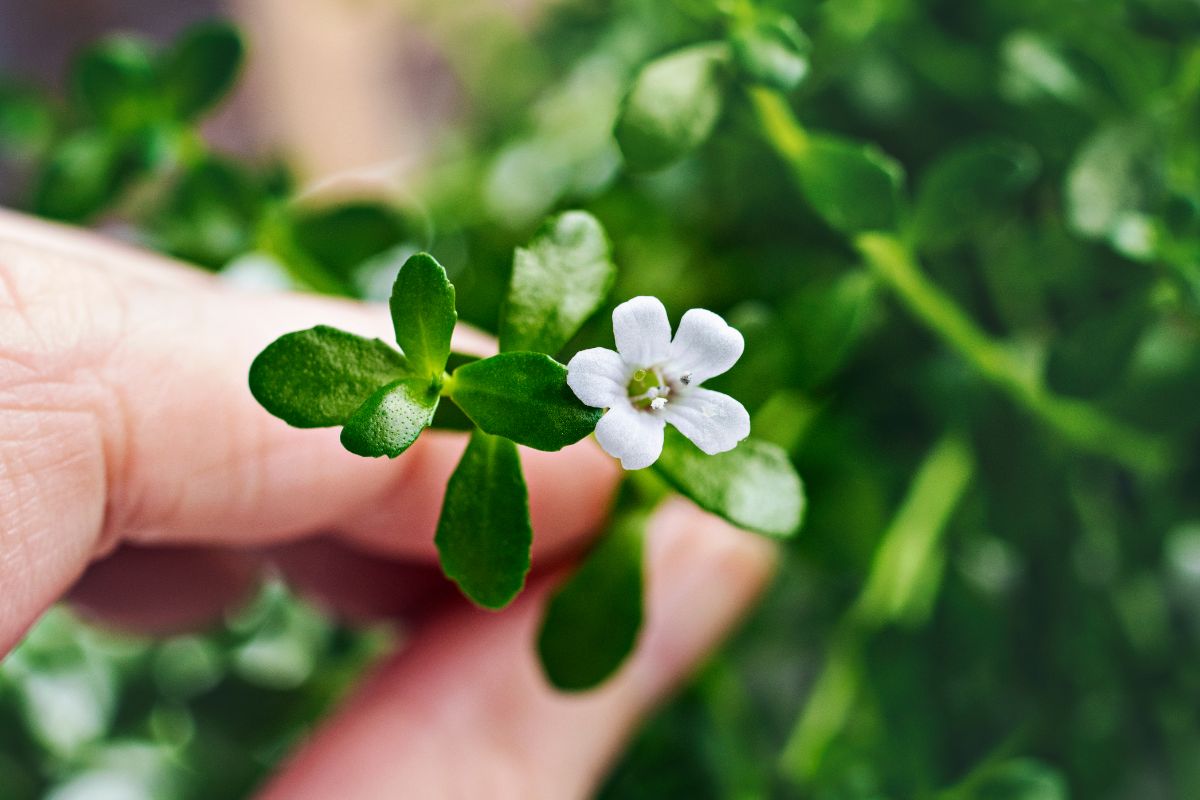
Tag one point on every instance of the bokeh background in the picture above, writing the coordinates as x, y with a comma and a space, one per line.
978, 606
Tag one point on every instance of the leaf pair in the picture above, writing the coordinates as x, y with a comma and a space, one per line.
121, 82
383, 399
213, 211
521, 395
675, 102
676, 99
134, 107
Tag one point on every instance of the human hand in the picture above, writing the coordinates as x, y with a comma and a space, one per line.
129, 442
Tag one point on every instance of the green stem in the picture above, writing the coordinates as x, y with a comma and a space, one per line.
909, 552
894, 264
779, 124
1080, 423
904, 577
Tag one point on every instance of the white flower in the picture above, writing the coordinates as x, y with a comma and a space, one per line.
653, 379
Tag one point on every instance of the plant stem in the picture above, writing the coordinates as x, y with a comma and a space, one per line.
892, 261
1079, 422
779, 125
904, 578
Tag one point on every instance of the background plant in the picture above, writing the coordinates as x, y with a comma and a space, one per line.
962, 242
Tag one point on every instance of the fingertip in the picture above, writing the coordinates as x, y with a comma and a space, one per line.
702, 576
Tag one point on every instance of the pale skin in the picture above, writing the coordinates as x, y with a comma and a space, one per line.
139, 478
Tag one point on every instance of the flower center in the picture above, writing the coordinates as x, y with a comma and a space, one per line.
647, 390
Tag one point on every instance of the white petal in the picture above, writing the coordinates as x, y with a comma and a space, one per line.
598, 377
715, 422
635, 437
642, 331
705, 345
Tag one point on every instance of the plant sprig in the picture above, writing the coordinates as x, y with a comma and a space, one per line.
858, 191
383, 398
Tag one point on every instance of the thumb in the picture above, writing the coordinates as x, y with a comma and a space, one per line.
466, 712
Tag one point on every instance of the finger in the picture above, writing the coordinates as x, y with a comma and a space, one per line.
465, 711
570, 492
125, 417
355, 586
165, 590
172, 589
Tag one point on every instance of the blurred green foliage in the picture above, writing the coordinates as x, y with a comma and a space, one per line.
993, 403
85, 713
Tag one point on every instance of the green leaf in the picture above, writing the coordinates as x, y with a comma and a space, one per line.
484, 534
673, 105
84, 174
27, 122
523, 397
423, 313
1018, 779
1113, 178
1091, 356
210, 215
113, 83
771, 49
341, 237
557, 283
962, 188
1177, 21
592, 621
319, 377
852, 186
826, 319
276, 236
201, 67
754, 486
391, 419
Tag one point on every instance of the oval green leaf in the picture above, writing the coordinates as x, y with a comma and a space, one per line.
84, 174
962, 188
27, 122
772, 50
1017, 779
423, 314
523, 397
1113, 178
201, 67
341, 237
592, 621
391, 419
754, 486
852, 186
825, 321
113, 82
210, 215
673, 105
557, 283
484, 534
321, 376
